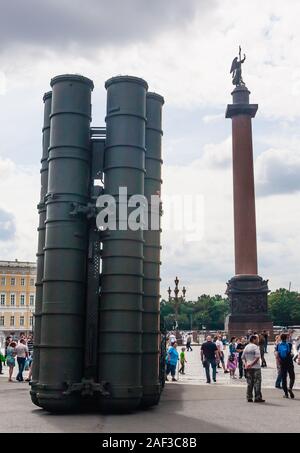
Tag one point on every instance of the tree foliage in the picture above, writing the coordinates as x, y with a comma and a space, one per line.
284, 307
210, 311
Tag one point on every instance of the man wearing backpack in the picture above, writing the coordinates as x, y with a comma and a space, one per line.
284, 357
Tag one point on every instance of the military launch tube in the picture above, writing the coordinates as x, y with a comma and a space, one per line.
64, 282
120, 348
151, 324
41, 244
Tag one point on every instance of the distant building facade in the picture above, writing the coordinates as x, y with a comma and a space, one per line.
17, 297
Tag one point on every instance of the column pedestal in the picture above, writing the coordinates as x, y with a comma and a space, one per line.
248, 295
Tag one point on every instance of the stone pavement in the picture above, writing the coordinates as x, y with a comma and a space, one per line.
190, 406
195, 373
183, 409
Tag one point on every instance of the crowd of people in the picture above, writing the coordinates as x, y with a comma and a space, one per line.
17, 351
246, 356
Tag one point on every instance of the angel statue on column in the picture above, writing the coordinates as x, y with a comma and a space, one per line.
236, 69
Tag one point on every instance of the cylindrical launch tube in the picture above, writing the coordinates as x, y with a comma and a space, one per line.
64, 283
120, 345
41, 244
151, 335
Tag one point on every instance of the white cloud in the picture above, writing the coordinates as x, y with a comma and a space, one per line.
2, 83
278, 227
190, 65
19, 192
212, 118
202, 265
7, 168
217, 155
277, 172
206, 265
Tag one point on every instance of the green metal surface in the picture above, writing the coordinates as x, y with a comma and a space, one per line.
151, 283
66, 244
93, 267
93, 350
120, 333
41, 244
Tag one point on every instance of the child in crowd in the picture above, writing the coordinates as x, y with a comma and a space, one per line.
232, 364
182, 361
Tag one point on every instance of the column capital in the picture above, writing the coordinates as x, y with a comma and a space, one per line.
241, 109
240, 103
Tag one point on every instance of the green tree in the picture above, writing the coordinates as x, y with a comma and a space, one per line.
284, 307
210, 311
206, 310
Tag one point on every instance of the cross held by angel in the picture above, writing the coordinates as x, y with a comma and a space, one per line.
236, 70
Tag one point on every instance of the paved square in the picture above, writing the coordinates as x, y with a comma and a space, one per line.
189, 406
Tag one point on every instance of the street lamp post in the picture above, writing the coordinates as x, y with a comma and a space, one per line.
191, 321
177, 301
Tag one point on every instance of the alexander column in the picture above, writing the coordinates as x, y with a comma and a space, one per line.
247, 291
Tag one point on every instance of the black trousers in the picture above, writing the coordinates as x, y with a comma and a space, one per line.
241, 368
287, 368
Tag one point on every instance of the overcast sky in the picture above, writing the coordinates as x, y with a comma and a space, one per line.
184, 49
